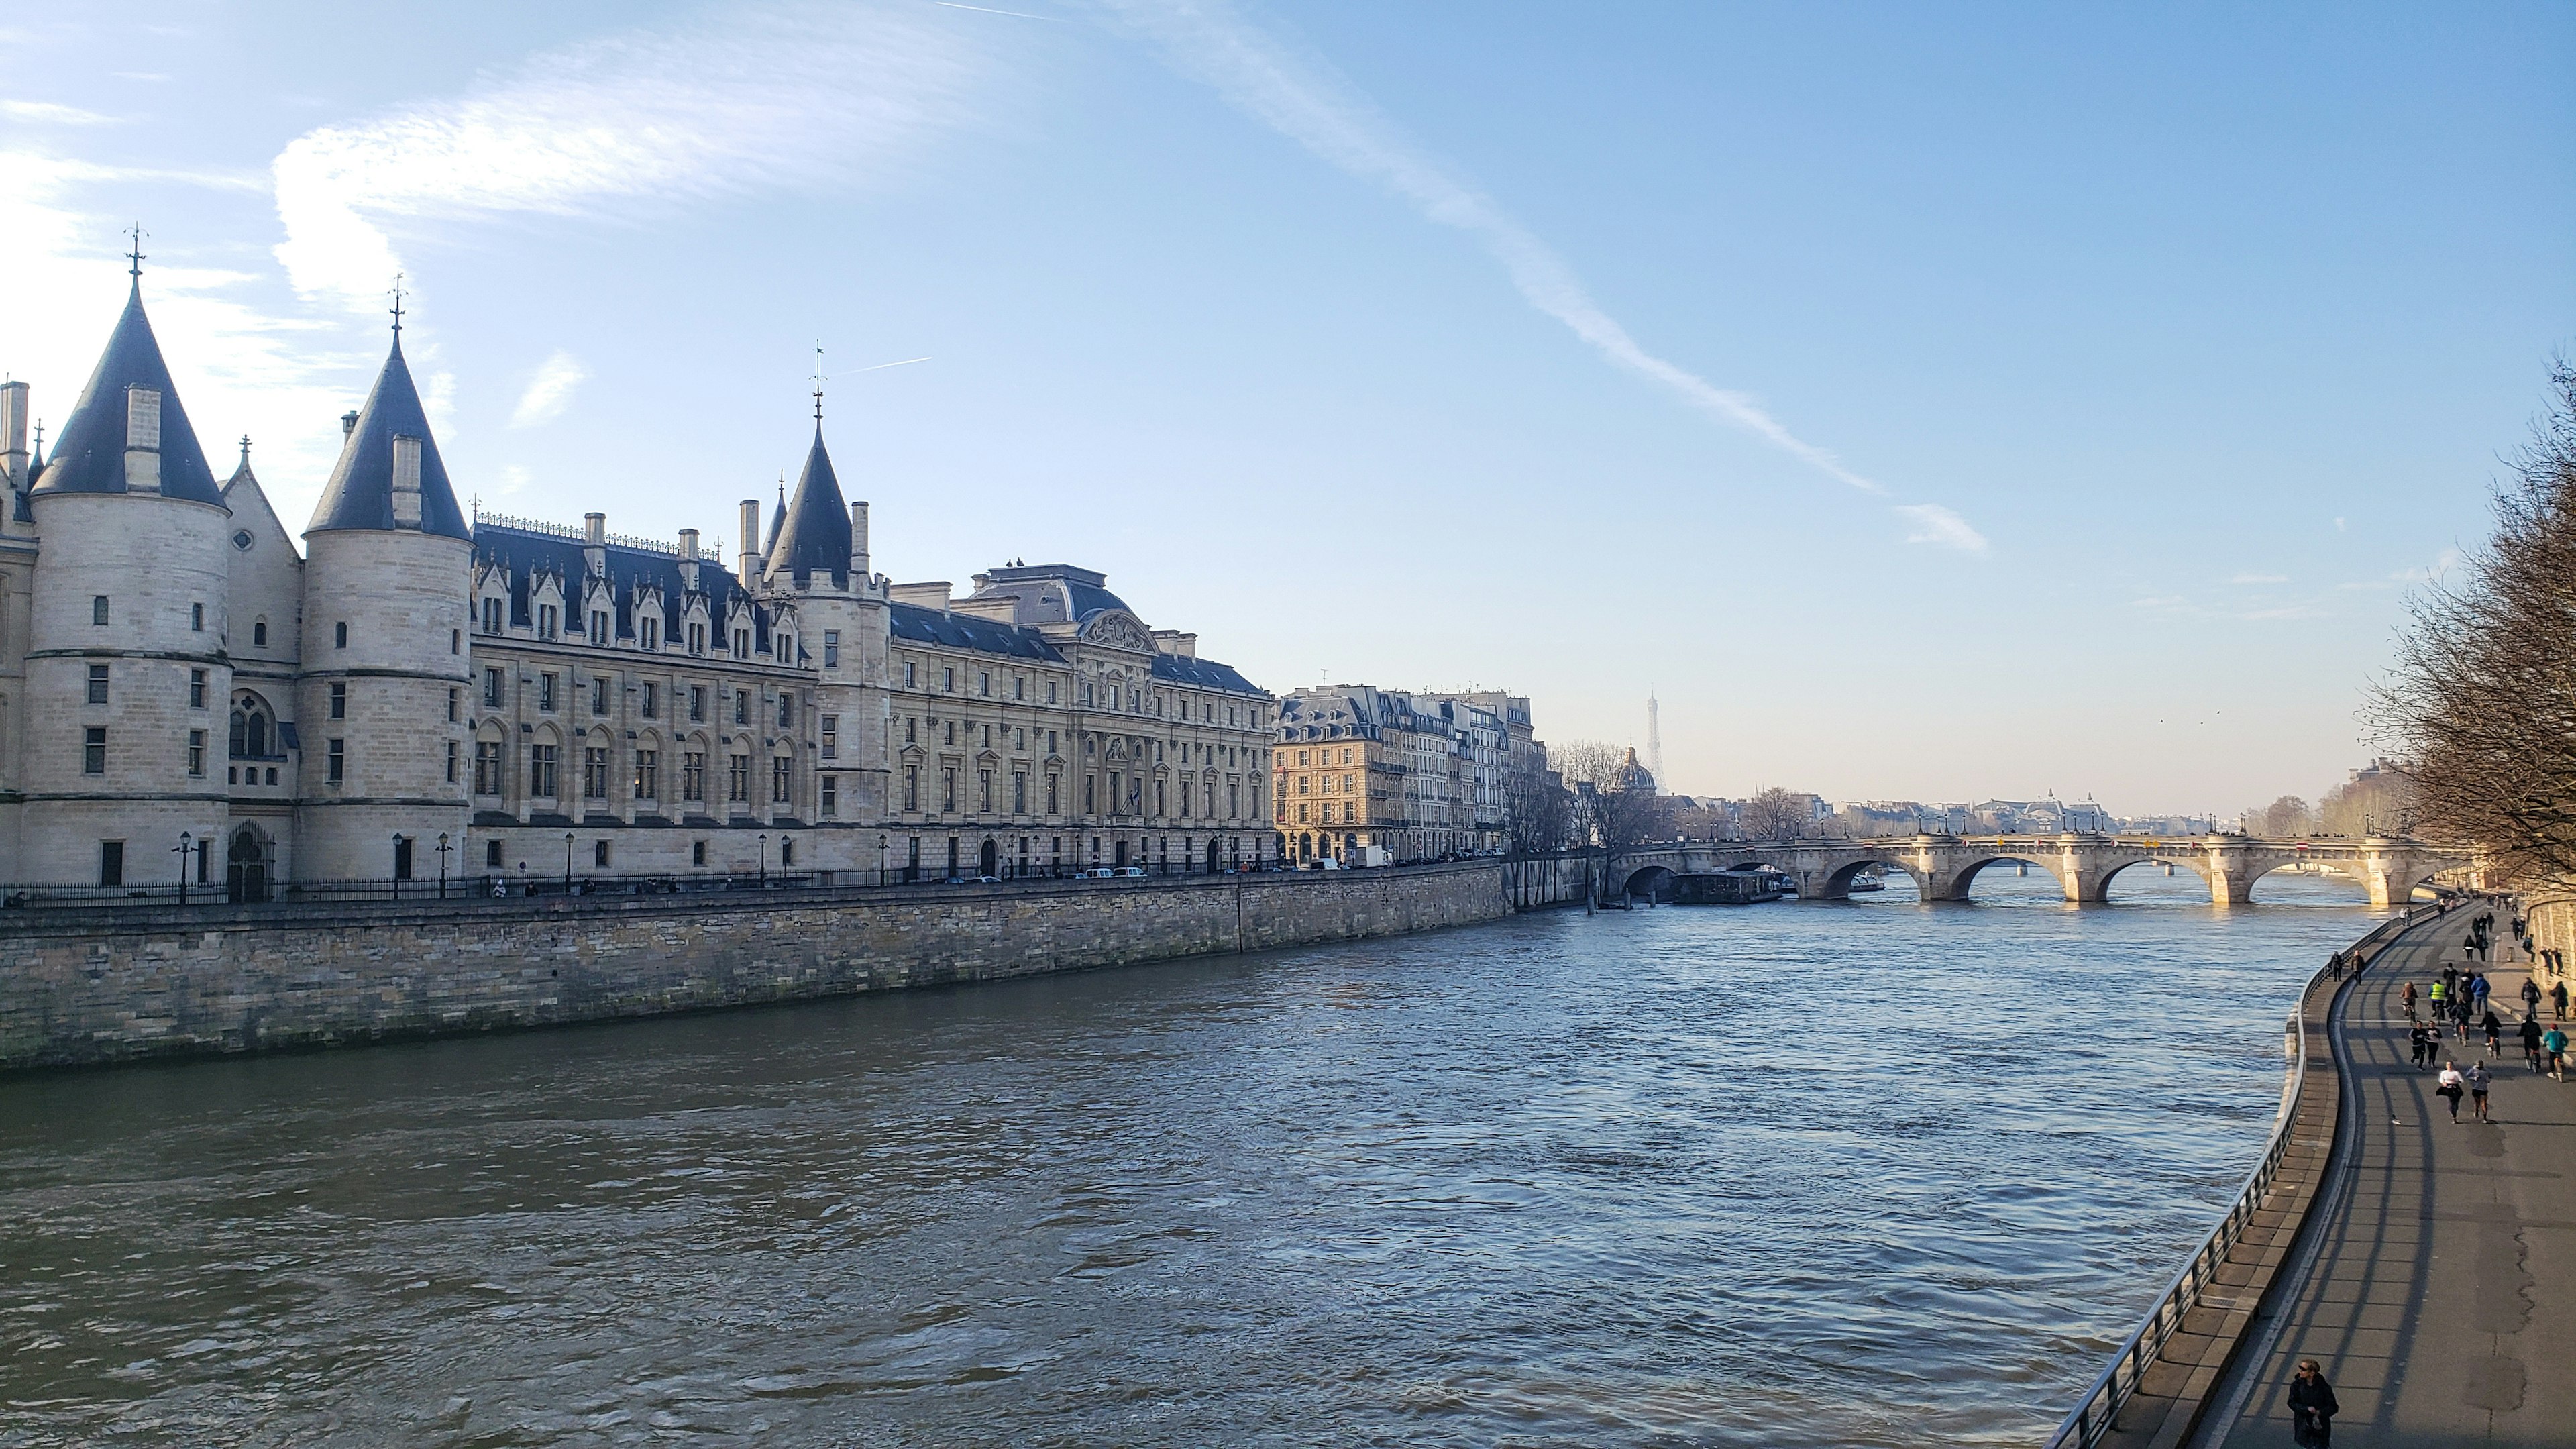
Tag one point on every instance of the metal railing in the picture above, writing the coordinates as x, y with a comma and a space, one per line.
2094, 1414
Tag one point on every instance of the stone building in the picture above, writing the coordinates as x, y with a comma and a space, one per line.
419, 694
1419, 776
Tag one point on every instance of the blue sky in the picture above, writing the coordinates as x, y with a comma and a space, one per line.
1933, 403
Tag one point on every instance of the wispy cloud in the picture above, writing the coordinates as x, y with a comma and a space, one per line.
240, 367
1301, 99
2260, 579
46, 113
749, 98
1934, 524
2443, 562
550, 391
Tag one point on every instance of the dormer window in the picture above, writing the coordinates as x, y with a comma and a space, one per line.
492, 615
651, 632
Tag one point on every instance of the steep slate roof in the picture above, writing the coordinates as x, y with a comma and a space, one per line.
525, 554
813, 536
965, 631
1202, 674
89, 452
360, 494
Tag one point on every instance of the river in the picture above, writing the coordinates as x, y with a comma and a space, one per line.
1868, 1173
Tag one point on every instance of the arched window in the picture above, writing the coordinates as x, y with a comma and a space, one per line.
254, 729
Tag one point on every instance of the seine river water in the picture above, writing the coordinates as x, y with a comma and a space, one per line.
1874, 1173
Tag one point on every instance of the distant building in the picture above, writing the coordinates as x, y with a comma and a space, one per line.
1420, 776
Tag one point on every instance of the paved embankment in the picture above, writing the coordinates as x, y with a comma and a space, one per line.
2439, 1285
118, 985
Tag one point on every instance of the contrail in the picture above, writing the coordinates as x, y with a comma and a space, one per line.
1250, 69
909, 361
989, 10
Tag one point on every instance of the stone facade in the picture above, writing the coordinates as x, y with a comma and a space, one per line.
509, 703
1421, 777
137, 983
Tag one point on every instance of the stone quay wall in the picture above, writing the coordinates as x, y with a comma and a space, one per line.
123, 985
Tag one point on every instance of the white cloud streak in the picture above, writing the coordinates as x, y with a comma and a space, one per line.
1300, 100
46, 113
2260, 579
550, 391
747, 99
1934, 524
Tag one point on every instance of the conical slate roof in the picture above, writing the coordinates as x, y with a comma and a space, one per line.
815, 538
89, 452
360, 494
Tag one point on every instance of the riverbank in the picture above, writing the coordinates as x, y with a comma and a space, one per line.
121, 986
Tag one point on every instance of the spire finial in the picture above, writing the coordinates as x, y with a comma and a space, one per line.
245, 450
818, 381
134, 254
397, 307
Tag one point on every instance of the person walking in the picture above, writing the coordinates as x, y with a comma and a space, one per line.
2452, 1086
2495, 1034
2531, 1041
2420, 1038
2312, 1406
2554, 1042
2479, 1080
2408, 996
2478, 991
2530, 997
2558, 1001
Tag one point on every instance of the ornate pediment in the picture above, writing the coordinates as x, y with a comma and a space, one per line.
1119, 630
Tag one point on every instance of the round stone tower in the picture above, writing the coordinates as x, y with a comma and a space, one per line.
381, 696
127, 682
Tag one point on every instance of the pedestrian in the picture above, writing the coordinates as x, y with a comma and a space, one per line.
2420, 1040
2408, 996
2530, 1030
2479, 1080
2530, 997
2478, 991
2558, 1001
2452, 1086
2440, 992
2554, 1042
2312, 1406
2334, 967
2495, 1035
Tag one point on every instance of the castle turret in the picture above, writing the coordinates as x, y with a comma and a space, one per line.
127, 675
381, 693
818, 562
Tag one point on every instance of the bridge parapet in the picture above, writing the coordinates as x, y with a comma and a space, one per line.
1945, 867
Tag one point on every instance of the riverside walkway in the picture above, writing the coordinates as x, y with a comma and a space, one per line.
2438, 1284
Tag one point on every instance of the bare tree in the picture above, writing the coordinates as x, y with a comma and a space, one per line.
1613, 801
1775, 814
2379, 802
2484, 685
2284, 818
1539, 814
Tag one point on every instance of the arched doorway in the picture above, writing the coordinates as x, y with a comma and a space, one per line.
1211, 856
246, 868
992, 859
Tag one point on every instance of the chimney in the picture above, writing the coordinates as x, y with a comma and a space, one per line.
689, 545
594, 543
142, 440
13, 433
406, 482
859, 546
348, 422
750, 542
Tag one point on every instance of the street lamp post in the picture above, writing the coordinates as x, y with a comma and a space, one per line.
182, 849
443, 848
397, 870
881, 861
764, 858
567, 862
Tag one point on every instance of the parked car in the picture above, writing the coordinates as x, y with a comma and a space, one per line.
1098, 872
1131, 872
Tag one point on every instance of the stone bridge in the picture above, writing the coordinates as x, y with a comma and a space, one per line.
1945, 866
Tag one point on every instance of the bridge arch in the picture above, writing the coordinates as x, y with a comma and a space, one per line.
1654, 882
1966, 878
2180, 862
1837, 886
